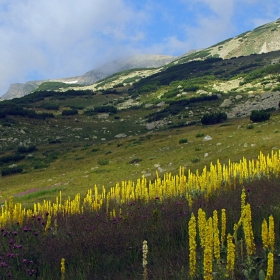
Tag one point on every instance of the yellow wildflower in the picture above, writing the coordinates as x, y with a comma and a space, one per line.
62, 268
270, 263
271, 233
230, 256
223, 227
265, 238
208, 251
192, 245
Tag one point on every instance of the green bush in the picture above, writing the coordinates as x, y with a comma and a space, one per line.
11, 170
69, 112
10, 158
199, 134
24, 149
183, 141
194, 160
250, 126
49, 106
259, 116
103, 161
213, 118
105, 109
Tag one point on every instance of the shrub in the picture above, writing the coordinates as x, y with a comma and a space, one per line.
194, 160
105, 109
213, 118
24, 149
11, 170
103, 161
259, 116
49, 106
250, 126
183, 141
69, 112
10, 158
199, 134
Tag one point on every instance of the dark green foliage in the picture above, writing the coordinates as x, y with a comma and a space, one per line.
71, 112
199, 134
176, 106
110, 91
2, 115
261, 72
43, 116
148, 88
250, 126
105, 109
103, 161
11, 158
25, 149
183, 141
213, 118
15, 110
277, 88
49, 106
259, 116
11, 170
55, 141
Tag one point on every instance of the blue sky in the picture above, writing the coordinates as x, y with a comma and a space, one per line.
47, 39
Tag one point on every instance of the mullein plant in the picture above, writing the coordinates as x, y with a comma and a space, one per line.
270, 266
169, 187
268, 240
208, 251
230, 257
145, 262
62, 268
216, 238
223, 227
192, 245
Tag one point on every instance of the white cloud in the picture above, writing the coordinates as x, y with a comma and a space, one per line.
62, 38
59, 38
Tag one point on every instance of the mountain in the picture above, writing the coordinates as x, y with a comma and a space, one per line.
136, 61
263, 39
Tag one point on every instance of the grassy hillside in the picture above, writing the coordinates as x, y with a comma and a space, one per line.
79, 137
138, 131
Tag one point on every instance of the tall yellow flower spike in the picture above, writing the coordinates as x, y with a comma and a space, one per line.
230, 256
192, 245
271, 233
62, 268
270, 266
265, 239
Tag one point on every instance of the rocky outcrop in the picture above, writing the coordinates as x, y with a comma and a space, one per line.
264, 101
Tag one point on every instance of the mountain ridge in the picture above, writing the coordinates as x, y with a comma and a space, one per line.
136, 61
263, 39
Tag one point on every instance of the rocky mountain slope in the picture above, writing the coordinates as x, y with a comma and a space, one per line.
263, 39
136, 61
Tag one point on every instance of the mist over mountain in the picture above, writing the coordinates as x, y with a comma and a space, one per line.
90, 77
263, 39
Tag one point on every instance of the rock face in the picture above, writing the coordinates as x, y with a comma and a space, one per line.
136, 61
265, 101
